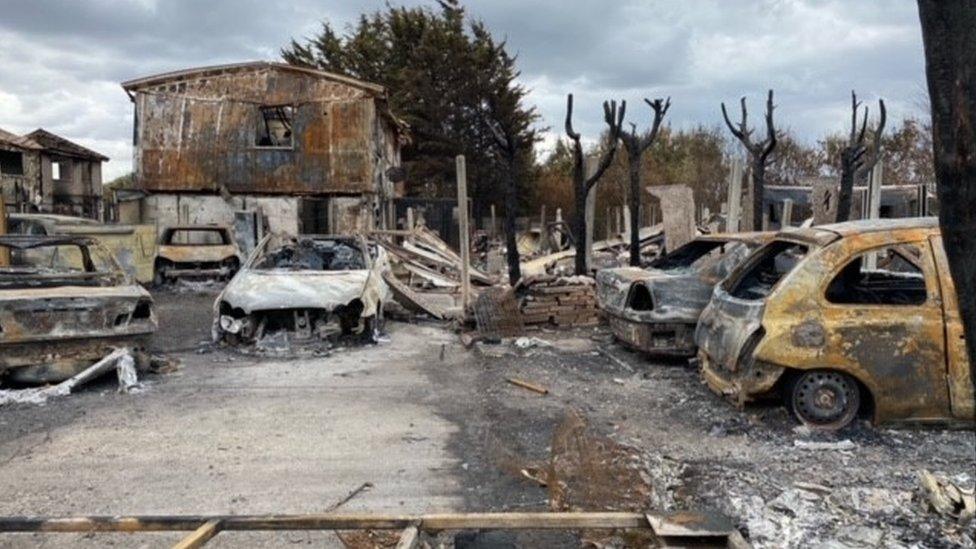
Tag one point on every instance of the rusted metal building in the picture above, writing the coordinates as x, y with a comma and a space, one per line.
43, 172
307, 150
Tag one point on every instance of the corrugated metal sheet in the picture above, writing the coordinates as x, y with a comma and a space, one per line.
198, 134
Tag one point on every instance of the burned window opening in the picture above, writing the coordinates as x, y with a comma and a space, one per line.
11, 163
774, 262
274, 127
56, 171
196, 237
896, 279
314, 255
640, 298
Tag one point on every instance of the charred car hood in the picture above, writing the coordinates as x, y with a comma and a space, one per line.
281, 289
70, 312
679, 295
197, 254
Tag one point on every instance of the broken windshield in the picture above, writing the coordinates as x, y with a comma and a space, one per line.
313, 255
693, 255
55, 265
196, 237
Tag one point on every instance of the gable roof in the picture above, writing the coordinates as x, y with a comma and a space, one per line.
20, 142
57, 144
249, 66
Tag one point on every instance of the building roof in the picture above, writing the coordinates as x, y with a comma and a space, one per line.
21, 142
200, 72
57, 144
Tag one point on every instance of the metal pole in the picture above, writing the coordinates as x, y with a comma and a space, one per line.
4, 252
462, 185
589, 213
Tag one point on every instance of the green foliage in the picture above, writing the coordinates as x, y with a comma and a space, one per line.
448, 78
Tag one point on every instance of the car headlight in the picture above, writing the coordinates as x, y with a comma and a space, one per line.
230, 324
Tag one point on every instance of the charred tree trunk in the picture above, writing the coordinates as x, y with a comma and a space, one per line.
511, 210
636, 145
583, 184
759, 153
634, 205
845, 195
950, 68
857, 159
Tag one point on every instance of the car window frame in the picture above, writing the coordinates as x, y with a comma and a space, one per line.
927, 268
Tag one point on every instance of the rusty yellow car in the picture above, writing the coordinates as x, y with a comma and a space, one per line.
655, 309
197, 252
841, 320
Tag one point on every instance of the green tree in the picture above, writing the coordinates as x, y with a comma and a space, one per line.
450, 80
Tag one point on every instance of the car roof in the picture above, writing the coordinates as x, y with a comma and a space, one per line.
204, 227
24, 241
825, 234
754, 237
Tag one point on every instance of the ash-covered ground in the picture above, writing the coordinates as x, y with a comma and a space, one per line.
434, 426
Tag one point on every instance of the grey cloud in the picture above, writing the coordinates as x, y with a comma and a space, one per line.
61, 60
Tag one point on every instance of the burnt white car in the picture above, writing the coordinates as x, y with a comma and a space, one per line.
306, 287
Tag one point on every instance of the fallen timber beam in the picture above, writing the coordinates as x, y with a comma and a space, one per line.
200, 536
671, 530
459, 521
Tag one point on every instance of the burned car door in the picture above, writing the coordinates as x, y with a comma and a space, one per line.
883, 320
957, 360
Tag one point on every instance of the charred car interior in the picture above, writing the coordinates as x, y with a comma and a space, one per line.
303, 289
197, 252
64, 304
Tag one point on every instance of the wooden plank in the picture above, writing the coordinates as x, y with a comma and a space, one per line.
200, 536
462, 183
409, 538
452, 521
4, 252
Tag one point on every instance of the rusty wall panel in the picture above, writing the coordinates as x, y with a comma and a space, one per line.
198, 134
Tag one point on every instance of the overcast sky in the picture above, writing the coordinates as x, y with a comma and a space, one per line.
61, 61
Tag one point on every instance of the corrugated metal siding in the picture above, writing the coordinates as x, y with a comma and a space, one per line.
198, 135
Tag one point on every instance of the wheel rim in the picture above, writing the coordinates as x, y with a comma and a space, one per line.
827, 400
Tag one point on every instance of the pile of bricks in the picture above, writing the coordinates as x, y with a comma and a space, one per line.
562, 301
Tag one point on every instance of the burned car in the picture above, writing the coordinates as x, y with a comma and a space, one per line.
65, 304
856, 317
655, 310
197, 252
304, 288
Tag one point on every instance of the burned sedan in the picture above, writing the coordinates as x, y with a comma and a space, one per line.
304, 289
64, 304
197, 252
840, 320
655, 310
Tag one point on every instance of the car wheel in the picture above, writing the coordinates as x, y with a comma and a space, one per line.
159, 278
824, 399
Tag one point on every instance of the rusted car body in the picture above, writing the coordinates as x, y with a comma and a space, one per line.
64, 304
857, 317
308, 288
655, 310
134, 246
197, 252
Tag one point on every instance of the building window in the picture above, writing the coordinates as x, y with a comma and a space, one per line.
11, 163
56, 171
274, 127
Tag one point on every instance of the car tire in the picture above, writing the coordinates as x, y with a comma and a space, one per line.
824, 400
